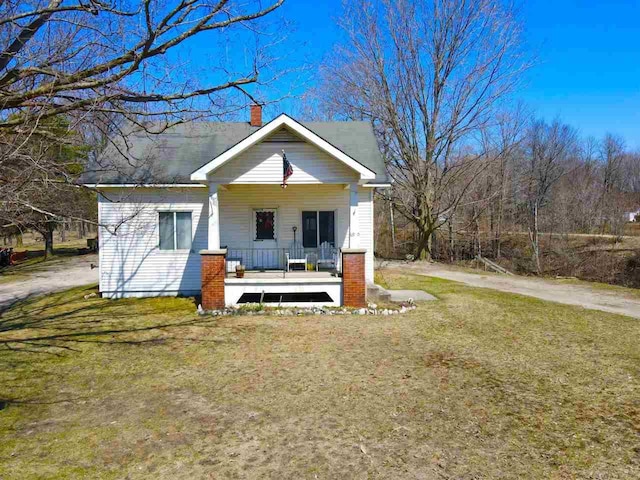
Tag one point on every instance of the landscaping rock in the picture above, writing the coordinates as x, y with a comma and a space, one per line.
261, 310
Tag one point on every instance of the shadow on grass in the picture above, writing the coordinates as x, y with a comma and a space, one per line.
56, 323
39, 330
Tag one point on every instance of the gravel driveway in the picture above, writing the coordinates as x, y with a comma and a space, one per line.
585, 296
72, 272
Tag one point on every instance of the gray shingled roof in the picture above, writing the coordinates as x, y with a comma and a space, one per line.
171, 156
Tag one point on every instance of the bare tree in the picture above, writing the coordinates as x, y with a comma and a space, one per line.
97, 65
506, 147
612, 158
89, 56
632, 172
430, 76
547, 149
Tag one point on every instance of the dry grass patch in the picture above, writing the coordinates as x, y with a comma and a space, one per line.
478, 385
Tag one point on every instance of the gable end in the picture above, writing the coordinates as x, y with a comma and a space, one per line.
274, 128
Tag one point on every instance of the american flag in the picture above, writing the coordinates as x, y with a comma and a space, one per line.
287, 170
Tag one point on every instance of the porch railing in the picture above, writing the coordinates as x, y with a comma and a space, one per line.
268, 259
256, 258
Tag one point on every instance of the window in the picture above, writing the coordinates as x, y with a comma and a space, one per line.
317, 228
175, 230
309, 229
265, 224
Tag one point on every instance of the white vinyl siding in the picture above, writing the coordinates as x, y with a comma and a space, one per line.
262, 164
283, 135
131, 260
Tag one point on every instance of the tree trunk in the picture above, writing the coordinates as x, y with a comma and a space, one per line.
19, 240
478, 239
533, 237
423, 251
393, 229
452, 245
498, 233
48, 241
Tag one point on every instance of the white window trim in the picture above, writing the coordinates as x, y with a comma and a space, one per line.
175, 232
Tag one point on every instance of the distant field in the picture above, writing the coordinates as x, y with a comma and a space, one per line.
34, 242
632, 229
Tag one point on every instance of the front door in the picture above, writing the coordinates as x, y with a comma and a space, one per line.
266, 255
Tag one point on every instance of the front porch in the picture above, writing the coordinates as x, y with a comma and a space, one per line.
221, 287
268, 219
290, 243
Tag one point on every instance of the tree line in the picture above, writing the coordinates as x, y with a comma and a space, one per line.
75, 74
438, 80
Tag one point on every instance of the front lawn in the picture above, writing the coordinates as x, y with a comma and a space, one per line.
480, 384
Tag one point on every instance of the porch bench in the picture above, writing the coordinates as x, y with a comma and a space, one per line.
296, 255
327, 255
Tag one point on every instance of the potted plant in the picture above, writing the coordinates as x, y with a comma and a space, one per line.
240, 271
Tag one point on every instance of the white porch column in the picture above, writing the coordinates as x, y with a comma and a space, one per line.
354, 219
214, 217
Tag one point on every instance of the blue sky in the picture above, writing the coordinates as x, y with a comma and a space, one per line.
587, 71
588, 68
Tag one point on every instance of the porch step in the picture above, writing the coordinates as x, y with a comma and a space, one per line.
377, 293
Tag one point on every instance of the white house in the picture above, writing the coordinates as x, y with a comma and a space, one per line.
632, 216
207, 188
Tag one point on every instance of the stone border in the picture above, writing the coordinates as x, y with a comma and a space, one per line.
258, 309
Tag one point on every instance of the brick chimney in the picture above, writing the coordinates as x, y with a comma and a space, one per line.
256, 116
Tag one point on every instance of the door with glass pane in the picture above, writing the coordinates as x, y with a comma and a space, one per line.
318, 227
265, 255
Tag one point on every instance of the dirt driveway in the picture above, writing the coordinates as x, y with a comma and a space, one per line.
59, 275
594, 298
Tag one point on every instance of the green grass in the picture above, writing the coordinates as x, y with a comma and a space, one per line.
69, 245
479, 384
